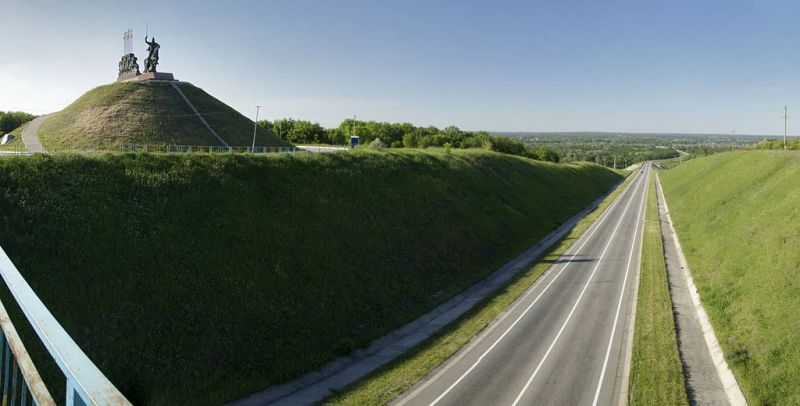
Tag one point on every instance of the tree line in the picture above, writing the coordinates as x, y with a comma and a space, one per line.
10, 120
771, 143
401, 135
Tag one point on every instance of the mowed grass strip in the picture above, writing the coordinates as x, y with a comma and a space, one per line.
656, 376
198, 279
738, 218
389, 382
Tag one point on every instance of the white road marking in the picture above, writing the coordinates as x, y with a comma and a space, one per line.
606, 214
622, 293
575, 306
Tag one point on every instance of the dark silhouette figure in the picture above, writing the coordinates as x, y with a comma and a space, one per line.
152, 55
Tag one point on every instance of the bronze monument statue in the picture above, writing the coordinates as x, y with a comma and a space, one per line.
128, 67
152, 57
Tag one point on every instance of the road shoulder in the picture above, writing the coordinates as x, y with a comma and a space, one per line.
708, 379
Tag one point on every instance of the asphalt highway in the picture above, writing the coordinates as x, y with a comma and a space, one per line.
561, 343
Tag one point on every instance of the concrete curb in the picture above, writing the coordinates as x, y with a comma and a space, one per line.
341, 372
732, 389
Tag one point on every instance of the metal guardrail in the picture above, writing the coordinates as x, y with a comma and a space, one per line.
86, 384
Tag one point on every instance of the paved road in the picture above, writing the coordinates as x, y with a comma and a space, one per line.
561, 343
29, 135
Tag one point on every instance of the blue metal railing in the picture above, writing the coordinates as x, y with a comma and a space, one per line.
86, 385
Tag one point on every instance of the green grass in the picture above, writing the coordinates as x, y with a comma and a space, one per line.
738, 218
656, 376
144, 113
386, 384
196, 279
16, 144
231, 125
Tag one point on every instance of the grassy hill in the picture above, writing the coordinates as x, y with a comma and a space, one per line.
15, 144
147, 113
738, 218
197, 279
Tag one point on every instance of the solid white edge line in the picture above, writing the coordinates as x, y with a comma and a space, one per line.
639, 226
575, 306
587, 238
729, 383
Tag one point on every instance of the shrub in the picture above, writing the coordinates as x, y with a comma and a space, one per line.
410, 141
13, 119
377, 144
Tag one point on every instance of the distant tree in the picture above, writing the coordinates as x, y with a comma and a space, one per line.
410, 140
12, 119
336, 136
267, 127
300, 131
480, 139
453, 135
508, 146
425, 141
545, 154
282, 127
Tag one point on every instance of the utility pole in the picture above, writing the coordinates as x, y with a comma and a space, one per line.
785, 119
615, 162
255, 128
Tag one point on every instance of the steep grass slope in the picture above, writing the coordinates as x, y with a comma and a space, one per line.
198, 279
146, 113
231, 125
738, 218
16, 144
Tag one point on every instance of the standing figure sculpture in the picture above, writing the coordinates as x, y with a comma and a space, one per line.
152, 57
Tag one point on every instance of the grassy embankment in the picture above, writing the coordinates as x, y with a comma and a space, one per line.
738, 218
656, 376
16, 144
197, 279
110, 116
392, 380
231, 125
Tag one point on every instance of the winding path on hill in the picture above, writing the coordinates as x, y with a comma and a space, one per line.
29, 135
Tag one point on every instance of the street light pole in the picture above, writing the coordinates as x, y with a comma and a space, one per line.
785, 118
255, 128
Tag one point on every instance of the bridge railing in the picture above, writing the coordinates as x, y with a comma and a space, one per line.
85, 383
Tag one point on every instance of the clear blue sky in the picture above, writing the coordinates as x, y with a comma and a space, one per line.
655, 66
